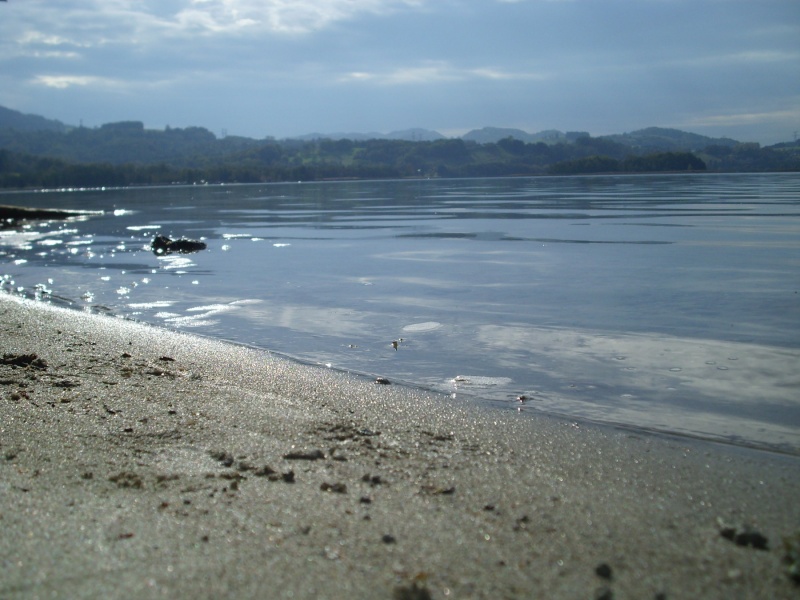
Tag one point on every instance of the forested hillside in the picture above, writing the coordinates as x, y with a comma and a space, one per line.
126, 153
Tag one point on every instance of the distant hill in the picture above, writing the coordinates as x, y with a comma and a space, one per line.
38, 152
668, 140
492, 135
338, 135
13, 119
408, 135
415, 135
651, 139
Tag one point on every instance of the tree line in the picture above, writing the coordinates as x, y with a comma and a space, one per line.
122, 154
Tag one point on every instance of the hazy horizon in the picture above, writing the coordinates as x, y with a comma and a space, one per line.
258, 68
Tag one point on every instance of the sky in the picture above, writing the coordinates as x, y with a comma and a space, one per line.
281, 68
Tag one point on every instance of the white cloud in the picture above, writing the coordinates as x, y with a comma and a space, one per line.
500, 74
751, 118
743, 58
436, 72
111, 84
278, 16
65, 81
427, 73
37, 37
136, 21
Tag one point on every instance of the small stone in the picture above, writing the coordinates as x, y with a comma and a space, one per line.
603, 593
382, 381
411, 592
753, 539
127, 479
603, 570
744, 537
224, 457
388, 539
337, 488
311, 455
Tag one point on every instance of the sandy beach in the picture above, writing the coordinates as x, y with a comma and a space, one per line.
141, 463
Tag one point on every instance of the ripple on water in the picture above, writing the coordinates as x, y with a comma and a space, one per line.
422, 327
480, 380
156, 304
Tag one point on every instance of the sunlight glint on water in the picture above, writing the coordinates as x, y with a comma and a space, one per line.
663, 302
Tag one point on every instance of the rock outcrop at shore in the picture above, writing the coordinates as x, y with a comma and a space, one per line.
12, 216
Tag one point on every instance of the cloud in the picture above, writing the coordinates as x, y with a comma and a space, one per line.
98, 83
259, 16
32, 38
460, 63
65, 81
752, 118
436, 72
429, 72
133, 22
743, 58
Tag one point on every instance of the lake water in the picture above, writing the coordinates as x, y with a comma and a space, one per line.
664, 302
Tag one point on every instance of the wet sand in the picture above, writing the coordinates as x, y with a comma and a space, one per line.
137, 462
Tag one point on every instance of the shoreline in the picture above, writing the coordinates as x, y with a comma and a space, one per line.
12, 216
136, 461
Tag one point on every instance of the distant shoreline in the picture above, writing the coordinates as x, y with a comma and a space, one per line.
204, 183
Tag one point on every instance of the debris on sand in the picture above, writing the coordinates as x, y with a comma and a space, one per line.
336, 488
411, 592
311, 455
791, 556
744, 536
24, 360
604, 570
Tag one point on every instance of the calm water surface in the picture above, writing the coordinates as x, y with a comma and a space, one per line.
661, 302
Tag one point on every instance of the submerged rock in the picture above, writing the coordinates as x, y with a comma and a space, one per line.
163, 245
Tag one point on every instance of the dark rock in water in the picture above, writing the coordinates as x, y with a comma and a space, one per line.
163, 245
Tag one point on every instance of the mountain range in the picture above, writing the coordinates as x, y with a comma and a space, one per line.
656, 139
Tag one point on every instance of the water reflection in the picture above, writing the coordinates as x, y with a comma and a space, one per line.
621, 299
661, 382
